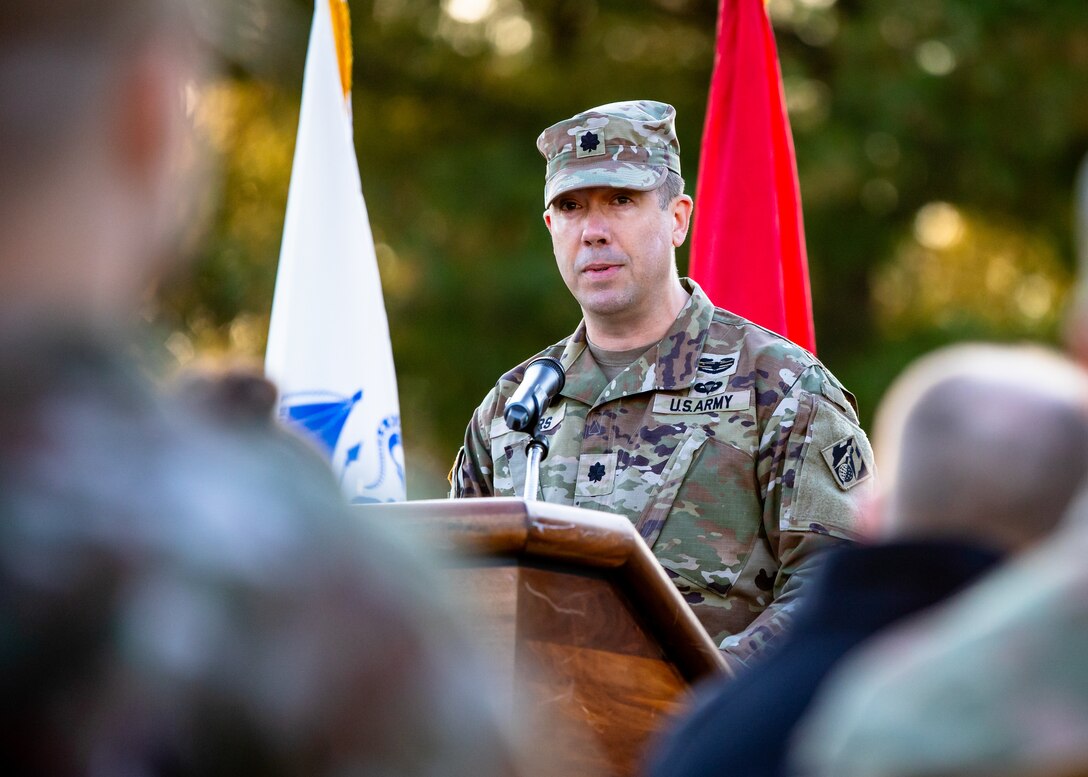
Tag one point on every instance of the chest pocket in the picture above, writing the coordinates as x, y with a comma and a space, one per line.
704, 519
509, 456
663, 497
696, 431
510, 460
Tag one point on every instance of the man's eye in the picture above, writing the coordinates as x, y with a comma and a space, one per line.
567, 205
623, 199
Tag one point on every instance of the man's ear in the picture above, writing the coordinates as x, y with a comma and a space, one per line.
682, 208
149, 114
548, 218
1075, 329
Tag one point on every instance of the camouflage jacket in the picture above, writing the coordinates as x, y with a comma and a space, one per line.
734, 452
994, 682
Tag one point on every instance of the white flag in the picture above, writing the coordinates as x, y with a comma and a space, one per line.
328, 341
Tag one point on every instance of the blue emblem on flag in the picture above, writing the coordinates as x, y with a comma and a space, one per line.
321, 413
390, 456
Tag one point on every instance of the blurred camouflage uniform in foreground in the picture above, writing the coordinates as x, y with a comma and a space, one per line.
735, 453
183, 592
996, 681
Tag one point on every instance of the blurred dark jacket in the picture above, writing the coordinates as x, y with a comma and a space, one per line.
743, 727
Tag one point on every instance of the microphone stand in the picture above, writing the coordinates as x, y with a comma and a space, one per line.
537, 450
542, 382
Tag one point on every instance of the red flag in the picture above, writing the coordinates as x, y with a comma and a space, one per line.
748, 240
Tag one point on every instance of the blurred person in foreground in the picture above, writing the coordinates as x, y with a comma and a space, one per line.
993, 683
735, 453
182, 591
946, 426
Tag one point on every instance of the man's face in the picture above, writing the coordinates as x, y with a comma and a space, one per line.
614, 248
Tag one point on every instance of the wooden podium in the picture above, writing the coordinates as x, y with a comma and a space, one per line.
590, 640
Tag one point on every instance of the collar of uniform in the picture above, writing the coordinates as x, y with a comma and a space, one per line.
585, 381
671, 365
675, 362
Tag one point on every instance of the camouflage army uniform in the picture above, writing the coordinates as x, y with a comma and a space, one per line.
995, 682
734, 452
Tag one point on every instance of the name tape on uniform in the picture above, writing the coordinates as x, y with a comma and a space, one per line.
548, 422
726, 402
552, 418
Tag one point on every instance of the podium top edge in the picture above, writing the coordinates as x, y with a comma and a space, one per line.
513, 525
516, 527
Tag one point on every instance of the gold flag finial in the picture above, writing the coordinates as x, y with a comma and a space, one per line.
341, 32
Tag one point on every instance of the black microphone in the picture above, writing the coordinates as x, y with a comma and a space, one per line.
544, 379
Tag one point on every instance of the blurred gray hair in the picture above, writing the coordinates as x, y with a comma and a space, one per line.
671, 188
983, 442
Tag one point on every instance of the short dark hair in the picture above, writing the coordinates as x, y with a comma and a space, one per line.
671, 188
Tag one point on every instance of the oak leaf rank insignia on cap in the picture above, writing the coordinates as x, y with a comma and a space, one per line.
589, 144
625, 145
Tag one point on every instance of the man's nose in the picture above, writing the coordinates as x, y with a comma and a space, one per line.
595, 231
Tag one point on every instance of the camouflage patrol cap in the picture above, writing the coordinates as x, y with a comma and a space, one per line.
628, 145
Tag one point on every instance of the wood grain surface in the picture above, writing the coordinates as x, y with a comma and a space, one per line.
593, 647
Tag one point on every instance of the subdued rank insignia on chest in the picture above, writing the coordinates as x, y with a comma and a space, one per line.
589, 143
596, 474
848, 465
713, 367
552, 418
594, 428
722, 402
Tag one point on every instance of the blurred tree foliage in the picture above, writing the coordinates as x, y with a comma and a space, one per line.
937, 141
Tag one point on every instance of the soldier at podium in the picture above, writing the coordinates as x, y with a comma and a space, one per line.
734, 452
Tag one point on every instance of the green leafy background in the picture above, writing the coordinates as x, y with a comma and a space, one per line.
937, 143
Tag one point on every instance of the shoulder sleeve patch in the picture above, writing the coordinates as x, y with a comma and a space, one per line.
836, 472
846, 459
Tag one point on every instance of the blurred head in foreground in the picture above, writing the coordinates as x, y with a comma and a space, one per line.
179, 595
1076, 325
96, 153
970, 450
248, 628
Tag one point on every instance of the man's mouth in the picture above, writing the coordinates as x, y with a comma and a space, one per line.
601, 269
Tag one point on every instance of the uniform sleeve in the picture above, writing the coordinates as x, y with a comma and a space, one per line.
471, 475
815, 466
